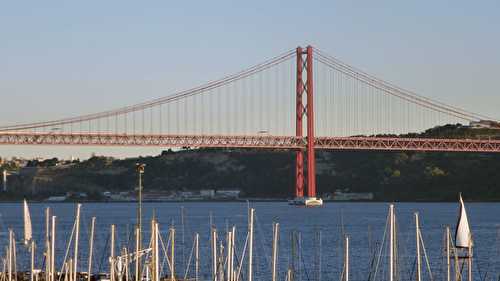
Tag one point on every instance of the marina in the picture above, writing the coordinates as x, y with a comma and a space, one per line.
344, 248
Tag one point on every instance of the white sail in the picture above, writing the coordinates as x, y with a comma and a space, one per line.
27, 223
463, 235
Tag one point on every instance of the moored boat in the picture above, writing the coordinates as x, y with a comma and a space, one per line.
306, 201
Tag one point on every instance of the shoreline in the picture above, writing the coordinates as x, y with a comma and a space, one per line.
235, 201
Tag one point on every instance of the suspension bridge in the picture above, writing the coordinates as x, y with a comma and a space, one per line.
302, 100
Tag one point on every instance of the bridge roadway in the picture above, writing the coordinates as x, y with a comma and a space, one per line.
255, 141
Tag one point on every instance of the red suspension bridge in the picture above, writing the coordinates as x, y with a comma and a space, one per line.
301, 100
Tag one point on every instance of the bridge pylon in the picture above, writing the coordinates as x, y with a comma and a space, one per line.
305, 64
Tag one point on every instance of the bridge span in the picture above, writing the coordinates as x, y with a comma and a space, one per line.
302, 100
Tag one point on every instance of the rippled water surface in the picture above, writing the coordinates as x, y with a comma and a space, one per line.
318, 231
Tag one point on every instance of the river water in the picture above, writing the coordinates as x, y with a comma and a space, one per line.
319, 235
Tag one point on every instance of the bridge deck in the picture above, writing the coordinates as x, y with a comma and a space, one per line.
255, 141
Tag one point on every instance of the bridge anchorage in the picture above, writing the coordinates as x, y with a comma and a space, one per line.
302, 100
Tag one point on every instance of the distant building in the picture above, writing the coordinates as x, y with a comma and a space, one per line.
157, 196
76, 195
227, 194
186, 194
340, 195
484, 124
207, 193
56, 198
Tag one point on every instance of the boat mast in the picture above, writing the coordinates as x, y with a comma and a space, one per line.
172, 253
11, 248
47, 243
250, 244
77, 235
14, 256
137, 253
214, 253
91, 248
276, 227
69, 266
140, 171
346, 258
156, 252
127, 263
53, 250
417, 235
32, 277
229, 240
221, 262
391, 242
153, 248
231, 250
233, 271
112, 255
447, 253
197, 255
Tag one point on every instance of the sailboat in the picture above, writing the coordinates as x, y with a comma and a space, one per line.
27, 223
28, 240
463, 235
463, 238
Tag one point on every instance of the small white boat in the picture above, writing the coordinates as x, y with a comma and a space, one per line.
306, 201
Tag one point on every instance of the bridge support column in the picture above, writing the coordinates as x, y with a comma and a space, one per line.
300, 110
308, 111
311, 159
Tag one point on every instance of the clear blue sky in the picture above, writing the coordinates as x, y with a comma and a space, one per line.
59, 59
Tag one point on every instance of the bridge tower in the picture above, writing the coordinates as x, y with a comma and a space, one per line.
307, 110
